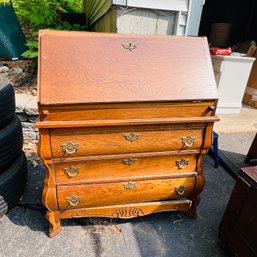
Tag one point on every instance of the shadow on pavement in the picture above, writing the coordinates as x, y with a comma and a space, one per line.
161, 234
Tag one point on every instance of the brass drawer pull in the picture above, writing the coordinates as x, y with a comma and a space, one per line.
70, 148
188, 140
129, 185
129, 161
131, 137
73, 200
181, 190
182, 163
71, 171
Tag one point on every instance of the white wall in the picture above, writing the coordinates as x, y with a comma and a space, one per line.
166, 17
177, 17
145, 21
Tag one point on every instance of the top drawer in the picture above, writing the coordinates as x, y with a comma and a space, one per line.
127, 139
127, 111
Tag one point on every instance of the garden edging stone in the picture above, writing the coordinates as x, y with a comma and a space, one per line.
27, 111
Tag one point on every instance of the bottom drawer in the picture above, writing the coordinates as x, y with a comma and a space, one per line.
92, 195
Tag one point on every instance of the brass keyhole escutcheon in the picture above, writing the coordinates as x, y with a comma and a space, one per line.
131, 137
130, 185
188, 140
129, 161
73, 200
69, 147
181, 190
182, 163
129, 46
71, 171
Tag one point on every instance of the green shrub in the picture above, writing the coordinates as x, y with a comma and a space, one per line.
65, 25
41, 14
73, 5
32, 53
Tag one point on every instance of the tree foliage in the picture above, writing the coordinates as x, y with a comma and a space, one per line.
44, 13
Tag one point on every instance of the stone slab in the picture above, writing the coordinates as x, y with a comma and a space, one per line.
29, 126
21, 101
29, 134
31, 107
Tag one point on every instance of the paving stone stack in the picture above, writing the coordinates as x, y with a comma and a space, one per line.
26, 101
27, 111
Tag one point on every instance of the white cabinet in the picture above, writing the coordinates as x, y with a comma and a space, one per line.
231, 74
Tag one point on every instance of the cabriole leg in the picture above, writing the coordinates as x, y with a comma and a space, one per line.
192, 212
55, 223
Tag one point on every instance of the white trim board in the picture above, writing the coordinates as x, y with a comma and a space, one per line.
174, 5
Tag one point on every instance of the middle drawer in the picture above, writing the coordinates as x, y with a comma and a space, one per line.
125, 166
83, 142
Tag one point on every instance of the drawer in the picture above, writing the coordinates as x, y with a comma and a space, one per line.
125, 167
129, 111
80, 142
92, 195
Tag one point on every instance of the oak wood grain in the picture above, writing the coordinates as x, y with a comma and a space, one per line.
127, 112
123, 133
144, 209
161, 68
49, 199
128, 128
128, 155
100, 123
116, 142
55, 222
123, 168
115, 193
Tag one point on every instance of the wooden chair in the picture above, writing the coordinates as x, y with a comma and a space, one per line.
238, 228
252, 153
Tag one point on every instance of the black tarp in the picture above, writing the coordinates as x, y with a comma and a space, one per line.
12, 40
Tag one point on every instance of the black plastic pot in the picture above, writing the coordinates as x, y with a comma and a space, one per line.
12, 40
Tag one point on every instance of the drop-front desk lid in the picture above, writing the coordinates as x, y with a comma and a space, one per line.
88, 67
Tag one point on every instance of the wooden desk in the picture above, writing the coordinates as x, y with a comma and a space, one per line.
125, 121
